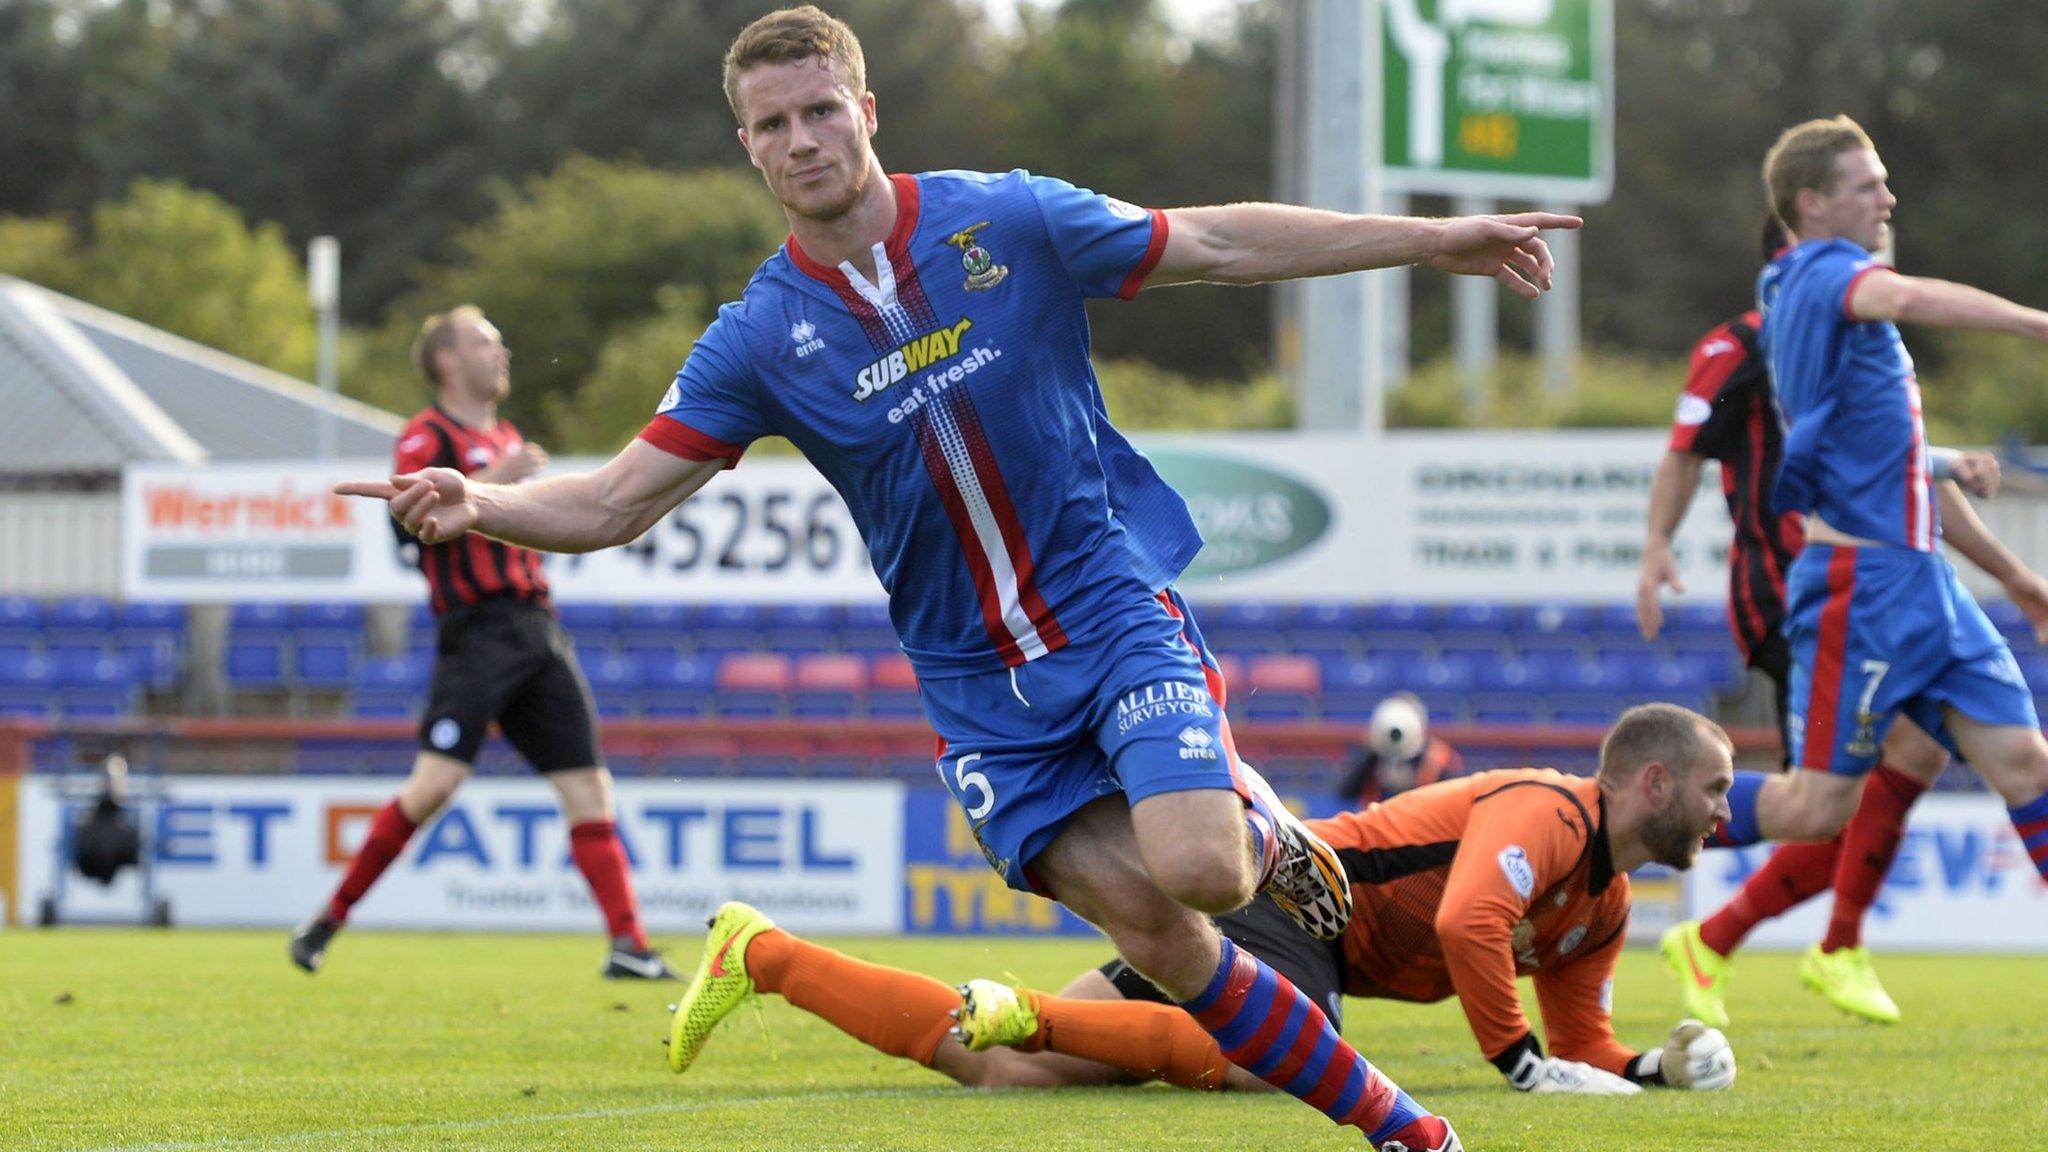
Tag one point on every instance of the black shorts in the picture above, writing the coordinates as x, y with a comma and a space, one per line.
1773, 658
509, 660
1261, 928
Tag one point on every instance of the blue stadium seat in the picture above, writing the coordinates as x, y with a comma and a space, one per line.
727, 627
1398, 616
1439, 680
801, 627
324, 663
22, 668
1241, 616
588, 623
107, 702
615, 677
1476, 616
664, 618
21, 617
1352, 688
255, 664
1555, 617
75, 648
1471, 647
407, 673
421, 621
86, 668
1553, 645
1714, 670
1322, 643
1502, 676
592, 651
153, 617
1410, 647
1613, 622
651, 647
1565, 672
681, 687
263, 617
1697, 617
79, 620
340, 618
865, 627
1330, 615
151, 661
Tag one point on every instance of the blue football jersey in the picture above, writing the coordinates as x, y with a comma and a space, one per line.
953, 405
1855, 447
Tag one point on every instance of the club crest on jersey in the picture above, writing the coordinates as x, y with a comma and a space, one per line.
804, 335
983, 272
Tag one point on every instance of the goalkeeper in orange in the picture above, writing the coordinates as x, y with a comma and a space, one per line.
1457, 888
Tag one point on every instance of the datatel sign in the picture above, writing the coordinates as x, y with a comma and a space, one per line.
1499, 98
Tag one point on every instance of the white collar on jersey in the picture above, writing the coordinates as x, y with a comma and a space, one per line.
883, 295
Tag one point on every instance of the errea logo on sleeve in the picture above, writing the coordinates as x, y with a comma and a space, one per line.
1514, 864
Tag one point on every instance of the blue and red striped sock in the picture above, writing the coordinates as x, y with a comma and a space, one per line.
2030, 820
1740, 830
1267, 1027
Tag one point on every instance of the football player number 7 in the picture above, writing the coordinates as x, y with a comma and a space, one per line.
1875, 669
973, 782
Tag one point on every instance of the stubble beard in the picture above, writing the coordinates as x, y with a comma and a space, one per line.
838, 208
1671, 839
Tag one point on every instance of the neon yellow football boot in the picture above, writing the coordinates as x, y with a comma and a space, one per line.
1849, 981
720, 984
1702, 973
992, 1014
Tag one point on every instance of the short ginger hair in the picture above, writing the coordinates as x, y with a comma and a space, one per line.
791, 34
1804, 157
438, 332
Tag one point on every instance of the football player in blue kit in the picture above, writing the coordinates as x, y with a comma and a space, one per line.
1878, 624
922, 340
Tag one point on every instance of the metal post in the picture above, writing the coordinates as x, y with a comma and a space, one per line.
1475, 319
1557, 311
323, 283
1329, 392
1372, 367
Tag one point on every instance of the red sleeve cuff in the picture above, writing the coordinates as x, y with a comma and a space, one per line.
1849, 293
1153, 251
679, 439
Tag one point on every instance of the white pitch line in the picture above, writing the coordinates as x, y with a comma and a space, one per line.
387, 1130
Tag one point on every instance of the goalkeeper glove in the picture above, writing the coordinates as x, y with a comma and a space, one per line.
1534, 1072
1695, 1056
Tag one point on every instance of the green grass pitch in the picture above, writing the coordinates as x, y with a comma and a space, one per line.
186, 1041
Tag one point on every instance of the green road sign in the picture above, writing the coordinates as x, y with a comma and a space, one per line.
1505, 98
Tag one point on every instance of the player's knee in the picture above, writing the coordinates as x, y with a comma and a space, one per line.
1206, 879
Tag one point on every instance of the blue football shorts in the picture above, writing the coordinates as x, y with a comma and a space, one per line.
1876, 632
1136, 707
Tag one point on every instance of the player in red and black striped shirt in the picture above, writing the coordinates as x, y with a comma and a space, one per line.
501, 655
1728, 414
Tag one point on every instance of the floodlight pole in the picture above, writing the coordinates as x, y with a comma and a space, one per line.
323, 284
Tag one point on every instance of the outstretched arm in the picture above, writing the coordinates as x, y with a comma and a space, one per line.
1671, 492
1258, 243
1962, 528
1890, 295
580, 513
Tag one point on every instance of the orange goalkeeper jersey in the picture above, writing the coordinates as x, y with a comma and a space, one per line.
1461, 886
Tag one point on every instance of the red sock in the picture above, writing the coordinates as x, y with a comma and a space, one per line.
1793, 874
1869, 844
389, 831
594, 845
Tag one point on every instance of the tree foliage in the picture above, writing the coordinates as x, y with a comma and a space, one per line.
182, 260
569, 260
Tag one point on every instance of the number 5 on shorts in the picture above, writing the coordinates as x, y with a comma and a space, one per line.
973, 782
